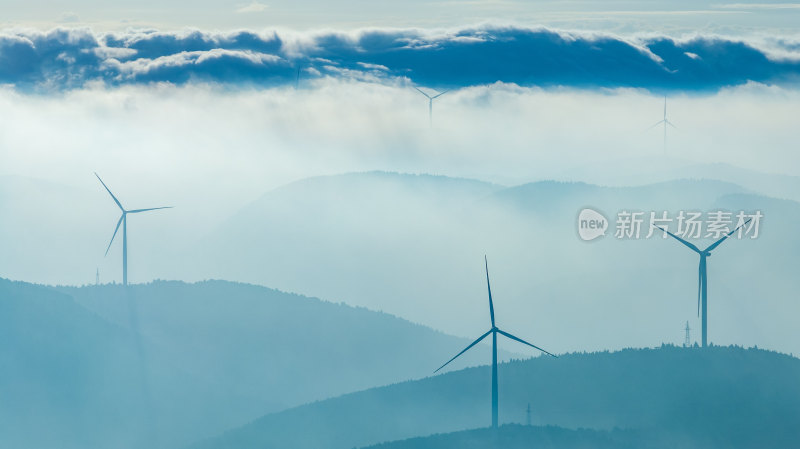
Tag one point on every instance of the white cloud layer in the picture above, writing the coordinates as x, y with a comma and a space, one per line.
70, 58
200, 146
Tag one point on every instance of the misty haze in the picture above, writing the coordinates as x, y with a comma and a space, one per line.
479, 225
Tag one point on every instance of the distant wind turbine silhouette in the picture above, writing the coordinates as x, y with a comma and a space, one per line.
702, 286
494, 331
123, 220
430, 103
666, 122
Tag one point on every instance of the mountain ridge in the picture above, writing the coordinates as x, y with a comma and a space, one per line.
194, 359
708, 396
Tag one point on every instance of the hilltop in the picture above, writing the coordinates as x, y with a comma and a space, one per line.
516, 436
717, 397
413, 246
166, 363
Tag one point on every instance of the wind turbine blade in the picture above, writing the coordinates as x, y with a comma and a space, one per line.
718, 242
665, 108
692, 247
136, 211
670, 124
440, 94
656, 124
489, 287
465, 349
423, 93
524, 342
109, 192
115, 233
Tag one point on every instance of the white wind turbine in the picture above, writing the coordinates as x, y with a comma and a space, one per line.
123, 220
430, 103
665, 122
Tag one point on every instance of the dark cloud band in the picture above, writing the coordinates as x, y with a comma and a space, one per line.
70, 58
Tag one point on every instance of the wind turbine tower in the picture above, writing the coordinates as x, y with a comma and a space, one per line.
702, 287
493, 331
528, 415
430, 103
123, 220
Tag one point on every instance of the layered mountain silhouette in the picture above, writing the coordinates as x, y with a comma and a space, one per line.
716, 397
167, 363
413, 246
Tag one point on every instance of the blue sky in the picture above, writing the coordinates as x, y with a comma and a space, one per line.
622, 16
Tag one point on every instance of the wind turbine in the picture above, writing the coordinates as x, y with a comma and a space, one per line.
430, 103
123, 220
666, 122
702, 286
493, 331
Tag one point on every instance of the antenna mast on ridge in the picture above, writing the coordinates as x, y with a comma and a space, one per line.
688, 339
